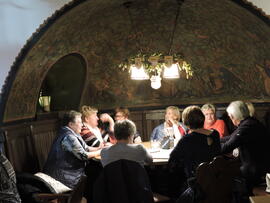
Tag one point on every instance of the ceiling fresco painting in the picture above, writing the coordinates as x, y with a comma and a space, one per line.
227, 45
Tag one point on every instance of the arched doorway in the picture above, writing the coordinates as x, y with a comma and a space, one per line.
64, 83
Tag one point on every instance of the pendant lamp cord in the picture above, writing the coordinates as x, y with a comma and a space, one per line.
128, 5
179, 2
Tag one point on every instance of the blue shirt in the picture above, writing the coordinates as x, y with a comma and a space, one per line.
158, 132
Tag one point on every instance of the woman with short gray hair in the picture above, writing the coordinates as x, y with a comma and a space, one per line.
251, 139
211, 121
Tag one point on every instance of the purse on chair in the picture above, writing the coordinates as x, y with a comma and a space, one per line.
65, 194
43, 188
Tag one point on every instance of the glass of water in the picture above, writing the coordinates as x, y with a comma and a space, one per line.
155, 144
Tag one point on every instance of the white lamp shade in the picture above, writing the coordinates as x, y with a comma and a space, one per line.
138, 73
171, 72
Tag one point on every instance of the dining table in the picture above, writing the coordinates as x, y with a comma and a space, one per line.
260, 199
160, 156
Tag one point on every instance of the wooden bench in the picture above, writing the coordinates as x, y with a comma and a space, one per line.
27, 145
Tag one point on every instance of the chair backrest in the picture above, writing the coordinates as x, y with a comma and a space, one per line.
123, 181
43, 134
77, 193
216, 179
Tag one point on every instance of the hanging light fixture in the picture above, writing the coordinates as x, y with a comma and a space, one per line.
137, 71
171, 69
153, 66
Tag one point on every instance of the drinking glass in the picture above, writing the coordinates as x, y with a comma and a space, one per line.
155, 144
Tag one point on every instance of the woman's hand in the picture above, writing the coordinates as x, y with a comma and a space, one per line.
170, 122
105, 118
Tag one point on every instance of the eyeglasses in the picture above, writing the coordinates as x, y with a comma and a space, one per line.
119, 116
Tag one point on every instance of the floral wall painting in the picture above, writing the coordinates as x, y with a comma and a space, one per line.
226, 42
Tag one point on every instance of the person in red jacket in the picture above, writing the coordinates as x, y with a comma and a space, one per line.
211, 121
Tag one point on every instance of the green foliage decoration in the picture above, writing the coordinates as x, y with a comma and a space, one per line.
157, 68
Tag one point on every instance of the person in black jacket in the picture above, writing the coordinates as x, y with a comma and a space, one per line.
251, 139
199, 145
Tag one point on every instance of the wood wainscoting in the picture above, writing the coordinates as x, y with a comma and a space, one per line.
27, 145
146, 121
19, 148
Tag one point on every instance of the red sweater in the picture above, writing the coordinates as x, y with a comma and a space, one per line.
220, 126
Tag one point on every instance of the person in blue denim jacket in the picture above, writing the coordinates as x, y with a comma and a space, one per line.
172, 118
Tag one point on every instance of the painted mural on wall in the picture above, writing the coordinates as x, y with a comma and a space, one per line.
227, 46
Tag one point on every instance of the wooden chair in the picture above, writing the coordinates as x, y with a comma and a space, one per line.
216, 179
75, 196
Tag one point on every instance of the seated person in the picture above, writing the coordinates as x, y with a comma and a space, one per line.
251, 109
90, 132
69, 153
211, 122
122, 113
252, 140
8, 188
124, 148
172, 117
199, 145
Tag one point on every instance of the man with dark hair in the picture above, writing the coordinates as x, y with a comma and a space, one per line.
8, 189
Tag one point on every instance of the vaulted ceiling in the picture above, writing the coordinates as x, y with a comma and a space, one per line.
225, 41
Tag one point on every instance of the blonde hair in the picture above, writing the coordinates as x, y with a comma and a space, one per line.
251, 109
208, 106
87, 111
175, 111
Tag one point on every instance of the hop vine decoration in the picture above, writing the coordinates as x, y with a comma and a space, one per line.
156, 62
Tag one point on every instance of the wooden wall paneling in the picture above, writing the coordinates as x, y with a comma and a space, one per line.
137, 118
153, 119
144, 127
43, 134
19, 148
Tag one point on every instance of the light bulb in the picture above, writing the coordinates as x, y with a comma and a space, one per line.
155, 81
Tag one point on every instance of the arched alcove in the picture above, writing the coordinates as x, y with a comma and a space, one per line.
64, 83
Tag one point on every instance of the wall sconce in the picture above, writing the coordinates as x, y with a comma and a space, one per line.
44, 102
